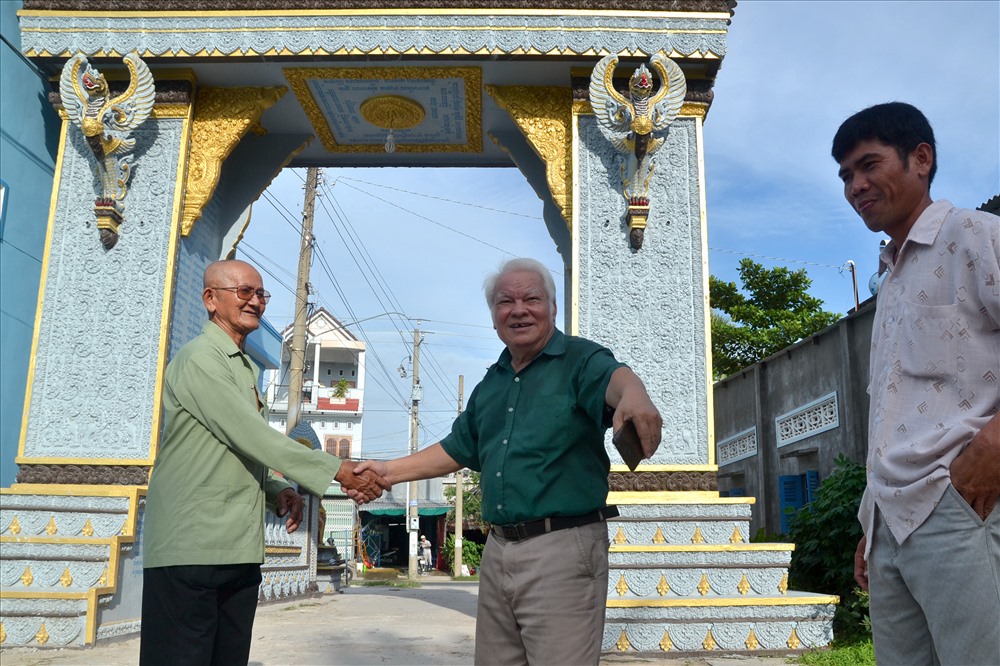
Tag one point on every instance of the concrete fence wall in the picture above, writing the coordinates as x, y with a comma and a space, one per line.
781, 423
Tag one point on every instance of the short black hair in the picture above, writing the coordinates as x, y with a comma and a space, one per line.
895, 124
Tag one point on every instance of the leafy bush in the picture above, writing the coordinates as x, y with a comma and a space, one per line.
472, 553
826, 533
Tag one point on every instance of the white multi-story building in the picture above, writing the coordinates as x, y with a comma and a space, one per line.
333, 385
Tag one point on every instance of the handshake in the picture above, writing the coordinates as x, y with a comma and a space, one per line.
360, 482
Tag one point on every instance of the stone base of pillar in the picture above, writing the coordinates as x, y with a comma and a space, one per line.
71, 563
684, 580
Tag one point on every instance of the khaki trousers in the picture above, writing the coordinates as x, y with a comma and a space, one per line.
541, 600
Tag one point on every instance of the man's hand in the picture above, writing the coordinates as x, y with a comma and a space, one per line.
627, 394
362, 485
975, 473
290, 503
860, 565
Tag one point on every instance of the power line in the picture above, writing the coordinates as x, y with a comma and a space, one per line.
764, 256
431, 196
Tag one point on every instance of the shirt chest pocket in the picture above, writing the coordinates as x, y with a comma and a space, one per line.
929, 340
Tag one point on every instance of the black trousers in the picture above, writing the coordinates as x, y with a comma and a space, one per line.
198, 615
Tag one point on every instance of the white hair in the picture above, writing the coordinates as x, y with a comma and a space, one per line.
514, 265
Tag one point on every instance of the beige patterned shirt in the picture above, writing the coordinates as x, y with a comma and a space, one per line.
935, 361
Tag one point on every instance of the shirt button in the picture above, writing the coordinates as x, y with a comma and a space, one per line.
510, 409
499, 506
505, 441
499, 474
517, 379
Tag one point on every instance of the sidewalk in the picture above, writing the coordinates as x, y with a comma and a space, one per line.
432, 624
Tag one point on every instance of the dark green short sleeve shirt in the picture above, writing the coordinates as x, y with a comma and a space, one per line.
537, 436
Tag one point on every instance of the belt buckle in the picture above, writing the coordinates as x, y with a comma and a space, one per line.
514, 531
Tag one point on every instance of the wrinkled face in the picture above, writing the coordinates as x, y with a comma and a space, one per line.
235, 316
886, 192
523, 314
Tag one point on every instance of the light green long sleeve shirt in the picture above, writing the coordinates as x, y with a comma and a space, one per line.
212, 473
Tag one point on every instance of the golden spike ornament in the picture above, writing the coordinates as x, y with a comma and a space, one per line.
107, 123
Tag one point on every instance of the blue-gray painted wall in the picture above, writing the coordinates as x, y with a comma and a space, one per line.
29, 133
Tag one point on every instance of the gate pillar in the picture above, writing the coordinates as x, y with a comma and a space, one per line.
108, 320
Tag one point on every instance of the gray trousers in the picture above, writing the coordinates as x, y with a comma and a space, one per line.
935, 599
541, 600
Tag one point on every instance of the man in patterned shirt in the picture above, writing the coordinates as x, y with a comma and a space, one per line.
931, 550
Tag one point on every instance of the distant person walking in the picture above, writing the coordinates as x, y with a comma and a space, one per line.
931, 552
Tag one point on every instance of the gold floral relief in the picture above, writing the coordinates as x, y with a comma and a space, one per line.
623, 643
222, 117
544, 115
472, 78
752, 643
665, 643
709, 642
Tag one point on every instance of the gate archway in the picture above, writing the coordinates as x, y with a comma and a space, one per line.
245, 88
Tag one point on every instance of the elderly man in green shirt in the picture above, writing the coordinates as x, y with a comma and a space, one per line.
534, 428
203, 532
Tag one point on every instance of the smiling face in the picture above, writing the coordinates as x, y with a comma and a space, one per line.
888, 193
523, 315
238, 318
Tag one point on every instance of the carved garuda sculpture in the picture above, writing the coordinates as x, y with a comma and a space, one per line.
636, 126
106, 123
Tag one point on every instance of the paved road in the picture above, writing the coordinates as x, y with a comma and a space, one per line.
432, 624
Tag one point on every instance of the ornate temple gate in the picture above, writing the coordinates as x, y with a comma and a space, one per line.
241, 89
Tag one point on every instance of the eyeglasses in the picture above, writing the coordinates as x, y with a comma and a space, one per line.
246, 292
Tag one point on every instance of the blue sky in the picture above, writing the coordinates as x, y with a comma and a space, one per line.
420, 241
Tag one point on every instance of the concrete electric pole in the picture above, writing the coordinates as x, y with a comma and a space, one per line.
459, 487
412, 514
297, 350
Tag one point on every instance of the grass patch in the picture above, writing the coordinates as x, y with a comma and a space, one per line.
856, 654
467, 578
390, 583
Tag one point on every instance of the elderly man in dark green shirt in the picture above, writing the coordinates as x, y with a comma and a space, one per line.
203, 532
534, 428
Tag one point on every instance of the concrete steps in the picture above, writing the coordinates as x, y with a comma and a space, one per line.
63, 552
685, 581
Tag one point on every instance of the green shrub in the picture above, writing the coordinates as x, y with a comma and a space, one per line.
472, 552
826, 533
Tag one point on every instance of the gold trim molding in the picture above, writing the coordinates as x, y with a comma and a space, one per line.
222, 117
544, 115
298, 79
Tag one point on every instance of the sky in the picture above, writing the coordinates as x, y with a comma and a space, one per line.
420, 241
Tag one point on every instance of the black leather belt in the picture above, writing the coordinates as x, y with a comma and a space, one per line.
532, 528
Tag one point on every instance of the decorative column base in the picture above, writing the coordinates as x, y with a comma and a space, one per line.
685, 581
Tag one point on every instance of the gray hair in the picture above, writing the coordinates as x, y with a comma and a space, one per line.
519, 264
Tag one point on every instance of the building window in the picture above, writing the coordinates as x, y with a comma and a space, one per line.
352, 373
794, 492
344, 448
322, 424
282, 423
336, 424
329, 371
350, 424
341, 373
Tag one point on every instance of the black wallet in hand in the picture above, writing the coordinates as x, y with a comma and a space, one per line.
626, 440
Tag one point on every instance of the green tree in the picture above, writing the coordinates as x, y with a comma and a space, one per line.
341, 389
826, 532
775, 312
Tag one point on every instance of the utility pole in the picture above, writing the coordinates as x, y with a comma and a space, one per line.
459, 486
412, 515
297, 351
